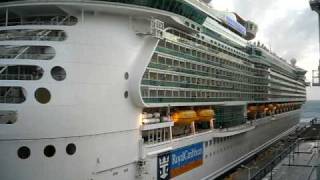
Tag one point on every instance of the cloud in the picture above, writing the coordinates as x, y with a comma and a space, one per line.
289, 27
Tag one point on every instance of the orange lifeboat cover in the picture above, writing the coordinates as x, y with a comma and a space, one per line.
184, 117
253, 108
205, 114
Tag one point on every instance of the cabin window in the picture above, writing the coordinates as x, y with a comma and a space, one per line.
12, 95
20, 72
24, 18
26, 52
8, 117
32, 35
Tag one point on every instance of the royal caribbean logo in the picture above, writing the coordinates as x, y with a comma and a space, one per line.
176, 162
164, 160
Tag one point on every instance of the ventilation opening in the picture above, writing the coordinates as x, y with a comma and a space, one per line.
20, 72
27, 52
12, 95
8, 117
32, 35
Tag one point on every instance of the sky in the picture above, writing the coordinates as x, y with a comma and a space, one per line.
288, 27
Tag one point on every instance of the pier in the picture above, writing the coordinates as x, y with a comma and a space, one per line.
295, 157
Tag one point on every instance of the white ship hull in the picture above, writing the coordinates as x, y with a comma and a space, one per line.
217, 158
221, 157
99, 109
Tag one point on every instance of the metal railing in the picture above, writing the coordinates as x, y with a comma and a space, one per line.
274, 162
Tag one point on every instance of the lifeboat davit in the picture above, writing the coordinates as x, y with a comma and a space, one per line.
184, 117
205, 114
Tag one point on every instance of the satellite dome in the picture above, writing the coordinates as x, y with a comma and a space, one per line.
293, 62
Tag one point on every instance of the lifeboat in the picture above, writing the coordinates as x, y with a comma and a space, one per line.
278, 108
269, 109
184, 117
263, 108
252, 112
252, 109
272, 107
205, 114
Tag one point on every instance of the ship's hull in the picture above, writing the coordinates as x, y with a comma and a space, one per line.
221, 157
217, 158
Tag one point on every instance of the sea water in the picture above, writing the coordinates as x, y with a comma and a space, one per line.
310, 110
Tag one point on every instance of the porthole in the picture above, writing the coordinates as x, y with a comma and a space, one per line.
42, 95
126, 94
58, 73
71, 149
126, 76
49, 151
24, 152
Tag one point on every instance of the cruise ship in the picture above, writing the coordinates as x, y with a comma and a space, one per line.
137, 90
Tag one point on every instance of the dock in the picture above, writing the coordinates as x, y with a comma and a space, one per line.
294, 157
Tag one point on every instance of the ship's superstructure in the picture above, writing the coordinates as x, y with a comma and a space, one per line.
136, 89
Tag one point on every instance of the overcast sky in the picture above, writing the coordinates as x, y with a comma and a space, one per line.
289, 27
